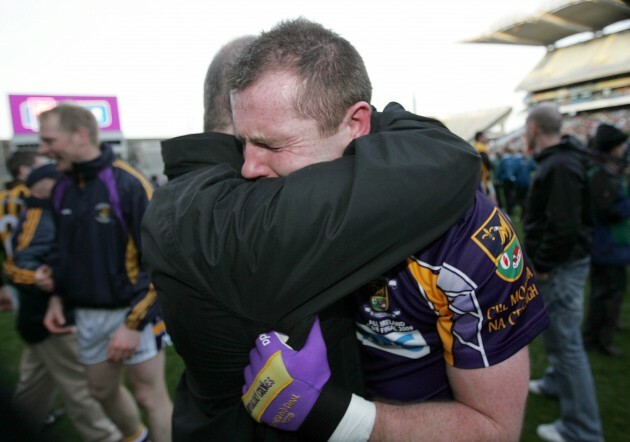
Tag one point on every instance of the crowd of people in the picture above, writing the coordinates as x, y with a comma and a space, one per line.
311, 285
87, 312
567, 182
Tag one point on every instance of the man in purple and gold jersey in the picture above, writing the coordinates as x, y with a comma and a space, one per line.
451, 322
444, 335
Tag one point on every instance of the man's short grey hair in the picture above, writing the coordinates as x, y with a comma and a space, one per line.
216, 93
547, 117
73, 117
331, 73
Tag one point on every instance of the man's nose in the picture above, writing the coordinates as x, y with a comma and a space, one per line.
256, 162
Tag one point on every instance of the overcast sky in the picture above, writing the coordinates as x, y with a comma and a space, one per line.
153, 54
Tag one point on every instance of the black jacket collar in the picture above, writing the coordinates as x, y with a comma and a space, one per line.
89, 169
567, 143
190, 152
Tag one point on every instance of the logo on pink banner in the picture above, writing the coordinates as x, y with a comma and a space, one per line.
26, 108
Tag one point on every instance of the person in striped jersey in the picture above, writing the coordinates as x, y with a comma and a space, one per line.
12, 198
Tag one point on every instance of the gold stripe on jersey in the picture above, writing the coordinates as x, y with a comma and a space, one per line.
11, 206
427, 281
9, 268
15, 201
29, 227
141, 309
148, 188
132, 261
18, 275
159, 328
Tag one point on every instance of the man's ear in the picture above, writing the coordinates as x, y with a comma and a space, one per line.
359, 117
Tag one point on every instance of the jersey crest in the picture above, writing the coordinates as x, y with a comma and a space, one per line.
379, 295
497, 239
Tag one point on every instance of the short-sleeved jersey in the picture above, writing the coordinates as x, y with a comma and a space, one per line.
469, 300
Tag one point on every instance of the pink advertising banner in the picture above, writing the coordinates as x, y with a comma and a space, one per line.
26, 108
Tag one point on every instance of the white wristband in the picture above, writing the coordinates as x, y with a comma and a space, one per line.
357, 423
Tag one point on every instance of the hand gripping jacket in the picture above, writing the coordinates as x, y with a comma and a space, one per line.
282, 385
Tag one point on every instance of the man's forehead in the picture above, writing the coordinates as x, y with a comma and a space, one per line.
261, 110
49, 122
280, 86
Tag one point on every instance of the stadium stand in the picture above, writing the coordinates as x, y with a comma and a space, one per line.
586, 69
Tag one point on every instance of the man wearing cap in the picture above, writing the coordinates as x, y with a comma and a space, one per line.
49, 362
611, 238
557, 228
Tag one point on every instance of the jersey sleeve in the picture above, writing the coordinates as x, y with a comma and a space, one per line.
33, 243
137, 193
492, 306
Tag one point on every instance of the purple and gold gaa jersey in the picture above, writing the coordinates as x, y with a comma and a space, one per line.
469, 300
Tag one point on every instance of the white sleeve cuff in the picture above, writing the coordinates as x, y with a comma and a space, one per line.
357, 423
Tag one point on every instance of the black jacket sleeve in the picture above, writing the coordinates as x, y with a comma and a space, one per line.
282, 249
144, 306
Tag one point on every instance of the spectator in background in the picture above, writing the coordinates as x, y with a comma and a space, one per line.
506, 175
98, 206
557, 228
515, 174
20, 164
610, 200
523, 177
481, 146
49, 363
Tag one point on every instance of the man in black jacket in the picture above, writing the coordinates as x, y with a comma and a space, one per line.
231, 257
557, 229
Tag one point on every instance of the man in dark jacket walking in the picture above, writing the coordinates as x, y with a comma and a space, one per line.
557, 229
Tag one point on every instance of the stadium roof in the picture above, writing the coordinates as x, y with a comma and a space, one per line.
601, 57
467, 124
566, 18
